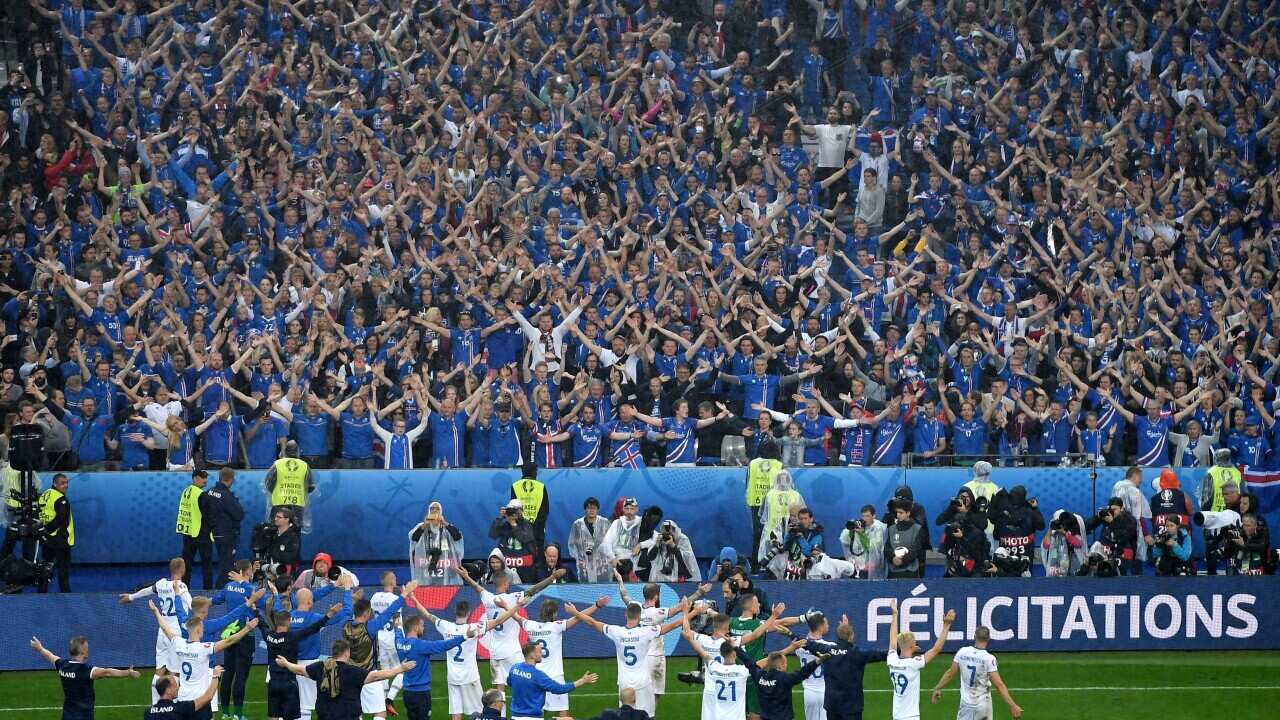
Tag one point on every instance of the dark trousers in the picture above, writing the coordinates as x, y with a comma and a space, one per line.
757, 529
417, 705
11, 540
237, 661
203, 546
226, 547
61, 559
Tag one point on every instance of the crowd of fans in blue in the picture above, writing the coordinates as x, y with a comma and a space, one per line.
592, 233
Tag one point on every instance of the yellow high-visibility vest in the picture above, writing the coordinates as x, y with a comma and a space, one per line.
291, 483
532, 493
189, 512
760, 475
47, 512
1219, 476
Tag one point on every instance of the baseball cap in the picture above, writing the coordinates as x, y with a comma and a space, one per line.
630, 501
514, 503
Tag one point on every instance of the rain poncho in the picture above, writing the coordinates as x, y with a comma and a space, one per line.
775, 514
866, 550
586, 547
1063, 553
435, 550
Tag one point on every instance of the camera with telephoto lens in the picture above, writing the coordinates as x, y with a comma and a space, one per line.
775, 547
668, 531
590, 549
1105, 512
855, 525
1099, 565
1161, 535
734, 585
1055, 525
953, 528
433, 558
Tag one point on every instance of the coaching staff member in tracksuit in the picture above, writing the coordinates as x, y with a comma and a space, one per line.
844, 667
225, 516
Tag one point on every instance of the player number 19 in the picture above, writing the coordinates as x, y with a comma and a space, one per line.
899, 682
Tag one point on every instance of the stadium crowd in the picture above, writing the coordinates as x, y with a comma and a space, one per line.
592, 233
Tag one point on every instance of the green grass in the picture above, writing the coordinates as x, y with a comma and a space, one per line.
1064, 686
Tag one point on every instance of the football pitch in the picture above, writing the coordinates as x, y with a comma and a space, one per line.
1060, 686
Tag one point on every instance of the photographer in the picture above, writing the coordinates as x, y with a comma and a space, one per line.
323, 573
1062, 550
278, 545
965, 505
586, 536
1119, 537
516, 538
802, 538
723, 566
669, 555
1171, 549
863, 542
965, 546
622, 537
1015, 520
436, 549
1253, 555
905, 543
822, 566
737, 588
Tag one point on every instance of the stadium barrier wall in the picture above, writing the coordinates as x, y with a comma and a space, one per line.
1040, 614
365, 515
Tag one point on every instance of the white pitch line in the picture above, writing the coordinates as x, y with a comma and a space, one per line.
1087, 688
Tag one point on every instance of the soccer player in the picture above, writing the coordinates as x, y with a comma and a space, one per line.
77, 677
504, 642
463, 675
301, 616
750, 618
169, 593
652, 613
814, 685
549, 634
190, 658
168, 707
632, 644
977, 670
724, 689
905, 665
529, 685
387, 656
238, 660
283, 699
417, 684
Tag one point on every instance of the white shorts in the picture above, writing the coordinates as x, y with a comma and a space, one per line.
658, 671
644, 698
975, 712
813, 700
164, 650
307, 691
498, 669
556, 703
373, 698
465, 699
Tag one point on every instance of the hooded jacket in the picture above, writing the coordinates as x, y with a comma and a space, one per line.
917, 513
967, 554
1015, 521
1062, 553
727, 554
973, 516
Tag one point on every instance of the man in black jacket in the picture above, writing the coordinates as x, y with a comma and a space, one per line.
1016, 520
281, 544
516, 538
225, 516
966, 547
1119, 536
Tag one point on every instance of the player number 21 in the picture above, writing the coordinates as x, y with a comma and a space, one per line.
721, 686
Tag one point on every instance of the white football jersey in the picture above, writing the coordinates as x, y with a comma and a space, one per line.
817, 681
976, 666
461, 660
711, 645
632, 646
724, 691
504, 640
190, 661
550, 636
380, 601
904, 679
655, 617
168, 594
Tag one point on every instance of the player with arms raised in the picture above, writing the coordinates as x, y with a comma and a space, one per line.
632, 643
905, 665
168, 593
978, 672
548, 633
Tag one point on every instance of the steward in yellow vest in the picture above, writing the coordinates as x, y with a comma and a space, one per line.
1222, 472
532, 493
60, 531
289, 480
192, 526
760, 474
